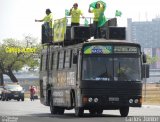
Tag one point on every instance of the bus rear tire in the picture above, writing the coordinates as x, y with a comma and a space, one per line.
124, 111
53, 109
79, 111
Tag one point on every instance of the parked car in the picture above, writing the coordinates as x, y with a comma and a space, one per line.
13, 91
1, 89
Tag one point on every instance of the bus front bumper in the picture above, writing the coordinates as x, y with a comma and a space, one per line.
110, 102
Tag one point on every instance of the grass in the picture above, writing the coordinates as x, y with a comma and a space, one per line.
152, 94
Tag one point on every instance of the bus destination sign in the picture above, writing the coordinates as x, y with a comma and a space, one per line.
125, 49
97, 49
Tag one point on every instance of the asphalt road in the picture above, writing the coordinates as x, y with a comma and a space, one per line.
34, 111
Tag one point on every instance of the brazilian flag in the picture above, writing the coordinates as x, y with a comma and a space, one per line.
66, 12
102, 19
118, 13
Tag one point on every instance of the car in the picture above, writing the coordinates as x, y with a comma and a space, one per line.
13, 91
1, 89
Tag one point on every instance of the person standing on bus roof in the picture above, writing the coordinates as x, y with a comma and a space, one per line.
47, 19
48, 24
75, 13
97, 12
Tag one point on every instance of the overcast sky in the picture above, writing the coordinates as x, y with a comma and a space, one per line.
17, 16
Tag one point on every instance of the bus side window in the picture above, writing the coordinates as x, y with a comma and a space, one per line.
75, 57
55, 60
64, 58
58, 60
61, 60
46, 62
41, 64
67, 59
70, 62
52, 56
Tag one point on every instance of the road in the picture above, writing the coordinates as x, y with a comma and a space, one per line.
34, 111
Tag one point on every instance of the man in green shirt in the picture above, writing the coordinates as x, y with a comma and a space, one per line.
75, 15
97, 12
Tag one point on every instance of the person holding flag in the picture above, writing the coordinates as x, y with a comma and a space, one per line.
75, 13
98, 11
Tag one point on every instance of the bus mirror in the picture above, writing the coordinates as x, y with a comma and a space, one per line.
75, 58
145, 71
144, 58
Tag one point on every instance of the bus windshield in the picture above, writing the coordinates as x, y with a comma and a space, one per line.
96, 67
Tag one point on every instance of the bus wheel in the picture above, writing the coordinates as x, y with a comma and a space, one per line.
124, 111
92, 111
53, 109
79, 111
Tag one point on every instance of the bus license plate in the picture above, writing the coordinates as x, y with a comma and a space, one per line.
15, 95
113, 98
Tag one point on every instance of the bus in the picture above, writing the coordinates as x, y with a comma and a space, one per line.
96, 75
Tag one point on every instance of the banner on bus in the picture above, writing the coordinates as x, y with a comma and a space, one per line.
59, 30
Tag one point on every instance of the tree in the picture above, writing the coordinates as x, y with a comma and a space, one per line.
16, 54
152, 60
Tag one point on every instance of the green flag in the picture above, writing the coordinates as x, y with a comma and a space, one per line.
118, 13
93, 5
102, 19
86, 22
66, 12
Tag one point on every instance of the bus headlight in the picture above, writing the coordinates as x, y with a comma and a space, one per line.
90, 99
136, 101
95, 100
130, 100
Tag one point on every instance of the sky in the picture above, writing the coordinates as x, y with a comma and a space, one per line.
17, 17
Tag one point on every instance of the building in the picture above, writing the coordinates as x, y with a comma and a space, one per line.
147, 33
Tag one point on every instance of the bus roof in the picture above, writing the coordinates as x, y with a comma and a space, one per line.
93, 41
110, 41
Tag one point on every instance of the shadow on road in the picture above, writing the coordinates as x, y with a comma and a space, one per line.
72, 115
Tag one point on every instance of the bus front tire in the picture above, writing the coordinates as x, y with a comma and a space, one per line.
124, 111
79, 111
